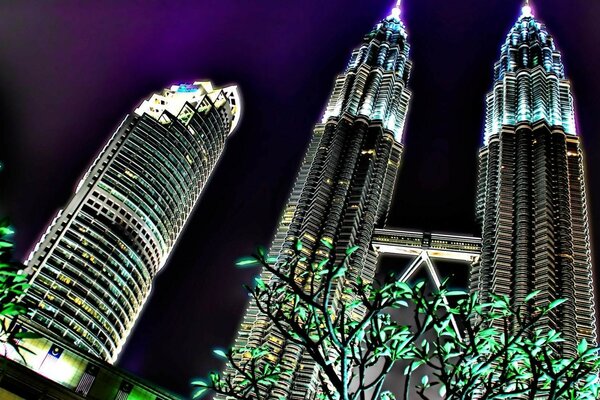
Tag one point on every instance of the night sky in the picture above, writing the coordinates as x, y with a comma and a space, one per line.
71, 70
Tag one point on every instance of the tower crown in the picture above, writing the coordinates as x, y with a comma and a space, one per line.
174, 99
529, 80
374, 84
528, 45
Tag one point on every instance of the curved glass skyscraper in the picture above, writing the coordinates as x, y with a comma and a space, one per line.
92, 270
531, 192
344, 187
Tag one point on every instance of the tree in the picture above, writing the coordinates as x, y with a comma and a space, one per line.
13, 283
346, 327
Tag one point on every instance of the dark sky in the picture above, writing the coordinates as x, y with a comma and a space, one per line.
70, 70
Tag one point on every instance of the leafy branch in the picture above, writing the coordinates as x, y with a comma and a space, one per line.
13, 283
344, 324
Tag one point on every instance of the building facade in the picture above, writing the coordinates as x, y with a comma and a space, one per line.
531, 200
344, 187
92, 270
55, 370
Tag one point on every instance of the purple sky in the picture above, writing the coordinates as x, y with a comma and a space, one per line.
71, 70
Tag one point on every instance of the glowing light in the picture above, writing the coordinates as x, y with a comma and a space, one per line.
176, 99
526, 10
396, 11
186, 88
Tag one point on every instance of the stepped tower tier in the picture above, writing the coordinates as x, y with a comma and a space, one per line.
531, 200
344, 188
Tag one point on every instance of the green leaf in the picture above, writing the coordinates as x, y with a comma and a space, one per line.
442, 391
402, 287
6, 231
13, 309
399, 304
340, 272
327, 243
260, 284
27, 335
582, 347
199, 393
425, 380
456, 293
199, 382
555, 304
247, 262
220, 353
262, 252
532, 295
271, 259
351, 250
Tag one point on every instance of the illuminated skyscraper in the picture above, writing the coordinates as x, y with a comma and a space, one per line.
92, 270
531, 192
345, 184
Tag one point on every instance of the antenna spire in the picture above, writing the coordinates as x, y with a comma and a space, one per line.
526, 10
396, 11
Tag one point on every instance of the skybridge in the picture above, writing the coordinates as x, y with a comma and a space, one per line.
425, 248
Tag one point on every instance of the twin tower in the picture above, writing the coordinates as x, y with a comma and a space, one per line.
531, 201
92, 271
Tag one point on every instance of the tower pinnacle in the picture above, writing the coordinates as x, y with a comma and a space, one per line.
526, 10
396, 11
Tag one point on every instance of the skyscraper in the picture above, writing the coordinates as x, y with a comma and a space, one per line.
531, 201
345, 184
92, 270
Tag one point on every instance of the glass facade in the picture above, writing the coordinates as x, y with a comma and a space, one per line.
344, 187
531, 200
92, 270
53, 370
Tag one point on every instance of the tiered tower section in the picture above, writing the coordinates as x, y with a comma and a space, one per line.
531, 193
344, 187
92, 270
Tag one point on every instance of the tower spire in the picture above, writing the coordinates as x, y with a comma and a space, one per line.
396, 11
526, 10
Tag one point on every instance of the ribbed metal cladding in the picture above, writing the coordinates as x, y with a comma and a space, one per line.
531, 200
92, 270
343, 190
584, 308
